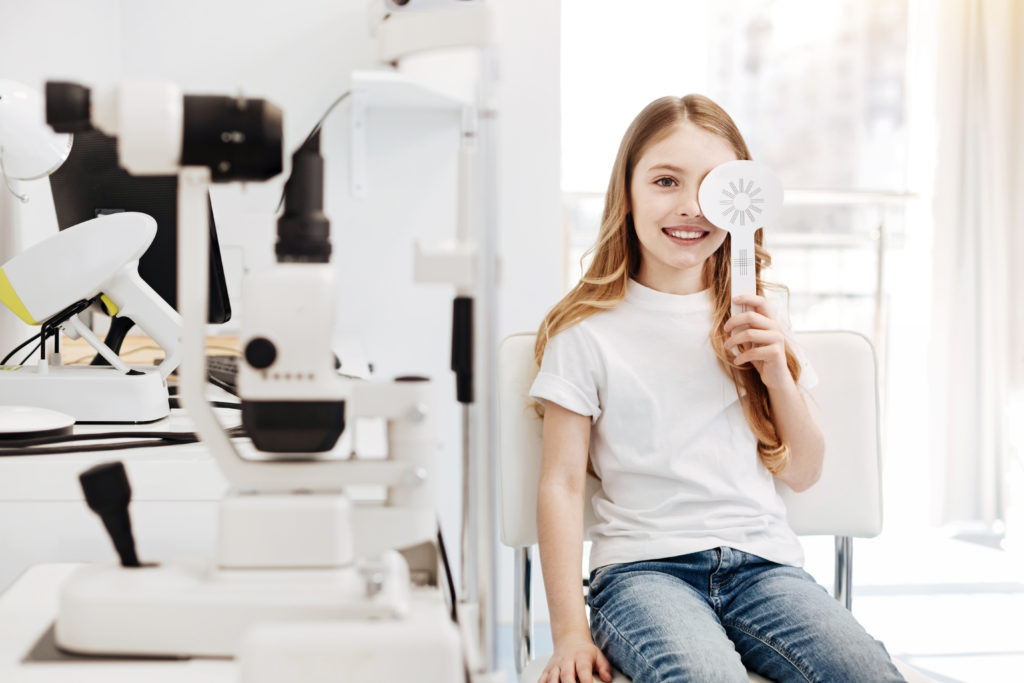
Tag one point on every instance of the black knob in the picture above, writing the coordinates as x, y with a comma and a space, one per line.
260, 353
108, 493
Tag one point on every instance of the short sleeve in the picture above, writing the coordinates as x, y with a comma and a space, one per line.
570, 373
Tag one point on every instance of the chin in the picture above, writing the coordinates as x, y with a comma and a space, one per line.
687, 264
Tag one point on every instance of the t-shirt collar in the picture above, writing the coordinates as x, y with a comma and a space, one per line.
679, 303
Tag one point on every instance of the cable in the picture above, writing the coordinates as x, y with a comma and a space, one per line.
222, 385
120, 354
327, 113
19, 347
176, 403
179, 437
31, 353
316, 129
467, 672
447, 573
41, 445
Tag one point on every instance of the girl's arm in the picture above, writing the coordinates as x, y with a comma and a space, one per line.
560, 501
760, 337
795, 425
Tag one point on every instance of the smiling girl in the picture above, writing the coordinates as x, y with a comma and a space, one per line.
687, 415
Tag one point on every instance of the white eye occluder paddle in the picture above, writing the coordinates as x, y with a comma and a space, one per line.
741, 196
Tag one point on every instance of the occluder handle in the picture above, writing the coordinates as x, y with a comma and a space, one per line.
136, 300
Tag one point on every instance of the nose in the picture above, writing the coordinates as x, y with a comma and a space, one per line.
688, 205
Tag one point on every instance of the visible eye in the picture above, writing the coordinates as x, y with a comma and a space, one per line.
665, 182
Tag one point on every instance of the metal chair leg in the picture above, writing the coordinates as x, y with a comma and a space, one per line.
522, 614
844, 570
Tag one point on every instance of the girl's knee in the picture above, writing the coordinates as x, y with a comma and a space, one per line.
685, 665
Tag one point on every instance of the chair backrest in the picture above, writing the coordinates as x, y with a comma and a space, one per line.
846, 501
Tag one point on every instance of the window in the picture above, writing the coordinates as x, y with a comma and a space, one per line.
818, 90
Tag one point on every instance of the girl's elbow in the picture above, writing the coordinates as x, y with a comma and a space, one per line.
562, 484
811, 472
808, 480
804, 470
801, 482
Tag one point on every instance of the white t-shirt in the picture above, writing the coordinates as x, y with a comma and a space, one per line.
677, 460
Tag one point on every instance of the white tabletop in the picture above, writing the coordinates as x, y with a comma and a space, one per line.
27, 653
164, 473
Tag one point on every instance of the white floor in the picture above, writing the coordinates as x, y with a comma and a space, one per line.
951, 608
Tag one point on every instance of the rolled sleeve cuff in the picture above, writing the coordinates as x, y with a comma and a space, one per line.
548, 387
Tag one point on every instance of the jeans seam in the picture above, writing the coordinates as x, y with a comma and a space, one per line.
624, 639
773, 645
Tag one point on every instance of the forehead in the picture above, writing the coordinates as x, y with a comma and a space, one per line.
688, 148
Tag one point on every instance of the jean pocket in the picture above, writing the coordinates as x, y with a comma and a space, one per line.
597, 580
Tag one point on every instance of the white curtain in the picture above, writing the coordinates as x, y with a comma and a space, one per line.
977, 338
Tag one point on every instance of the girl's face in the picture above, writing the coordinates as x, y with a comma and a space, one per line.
675, 239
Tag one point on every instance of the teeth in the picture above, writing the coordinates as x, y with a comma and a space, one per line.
681, 234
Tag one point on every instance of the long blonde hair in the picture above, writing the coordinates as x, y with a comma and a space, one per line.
616, 258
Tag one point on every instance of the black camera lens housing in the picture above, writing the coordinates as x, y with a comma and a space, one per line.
67, 107
237, 138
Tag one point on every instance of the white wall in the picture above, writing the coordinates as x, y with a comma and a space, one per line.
531, 195
299, 55
40, 41
62, 39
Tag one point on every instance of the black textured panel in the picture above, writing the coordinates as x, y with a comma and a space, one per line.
91, 183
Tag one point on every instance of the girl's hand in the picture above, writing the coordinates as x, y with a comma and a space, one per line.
759, 339
575, 660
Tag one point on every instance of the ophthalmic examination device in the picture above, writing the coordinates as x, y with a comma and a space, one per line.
297, 562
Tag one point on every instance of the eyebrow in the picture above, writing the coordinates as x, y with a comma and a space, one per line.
666, 167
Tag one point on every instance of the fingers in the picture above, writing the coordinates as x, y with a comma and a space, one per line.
553, 671
750, 319
585, 669
759, 353
582, 670
549, 675
568, 672
754, 302
759, 314
604, 668
578, 665
755, 337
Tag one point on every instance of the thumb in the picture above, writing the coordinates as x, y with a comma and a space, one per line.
604, 669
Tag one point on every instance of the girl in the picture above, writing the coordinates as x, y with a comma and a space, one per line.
686, 414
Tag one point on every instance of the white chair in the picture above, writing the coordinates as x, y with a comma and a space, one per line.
846, 501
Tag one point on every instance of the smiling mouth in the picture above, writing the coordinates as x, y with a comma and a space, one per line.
685, 236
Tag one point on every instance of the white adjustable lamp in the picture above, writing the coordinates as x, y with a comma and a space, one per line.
741, 196
29, 149
98, 256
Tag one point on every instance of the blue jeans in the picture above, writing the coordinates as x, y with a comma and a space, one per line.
709, 616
